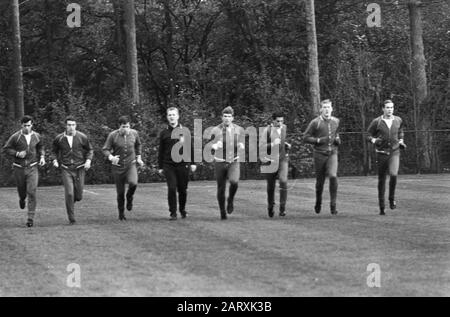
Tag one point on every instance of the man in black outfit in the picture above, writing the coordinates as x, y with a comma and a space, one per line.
175, 167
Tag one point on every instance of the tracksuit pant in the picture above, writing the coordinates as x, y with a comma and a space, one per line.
27, 181
226, 171
177, 177
387, 163
326, 164
73, 181
282, 175
122, 176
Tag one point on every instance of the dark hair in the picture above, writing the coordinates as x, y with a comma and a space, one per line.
124, 120
70, 118
277, 114
228, 110
386, 102
325, 101
26, 119
172, 108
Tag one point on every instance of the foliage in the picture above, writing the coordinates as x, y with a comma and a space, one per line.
203, 55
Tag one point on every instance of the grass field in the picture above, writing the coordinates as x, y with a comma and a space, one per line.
303, 254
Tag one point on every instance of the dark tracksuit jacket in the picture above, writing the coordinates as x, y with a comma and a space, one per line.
326, 131
127, 146
17, 143
389, 137
227, 153
77, 155
268, 135
165, 148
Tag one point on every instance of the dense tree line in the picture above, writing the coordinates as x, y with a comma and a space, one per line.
203, 55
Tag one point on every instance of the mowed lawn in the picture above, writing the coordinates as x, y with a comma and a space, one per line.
303, 254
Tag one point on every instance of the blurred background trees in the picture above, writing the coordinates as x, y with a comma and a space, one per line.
203, 55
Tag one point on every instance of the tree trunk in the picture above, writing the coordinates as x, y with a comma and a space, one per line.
419, 82
168, 49
17, 60
362, 110
132, 64
313, 63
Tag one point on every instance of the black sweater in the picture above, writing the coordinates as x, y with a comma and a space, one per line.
166, 143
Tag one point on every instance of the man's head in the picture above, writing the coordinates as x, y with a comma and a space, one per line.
326, 108
71, 125
173, 115
388, 108
124, 125
27, 124
277, 119
227, 116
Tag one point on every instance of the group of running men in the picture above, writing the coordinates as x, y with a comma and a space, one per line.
72, 153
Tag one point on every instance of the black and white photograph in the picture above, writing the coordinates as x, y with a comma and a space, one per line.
225, 154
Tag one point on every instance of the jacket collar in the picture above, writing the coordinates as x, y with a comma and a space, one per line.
321, 117
31, 133
65, 134
169, 127
231, 126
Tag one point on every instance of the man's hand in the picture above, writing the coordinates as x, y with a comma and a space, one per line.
337, 141
55, 164
193, 168
402, 144
42, 161
87, 165
217, 145
276, 141
139, 161
376, 141
21, 154
114, 159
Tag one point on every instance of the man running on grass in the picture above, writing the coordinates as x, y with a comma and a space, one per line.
72, 152
322, 132
386, 133
228, 141
175, 171
26, 148
123, 149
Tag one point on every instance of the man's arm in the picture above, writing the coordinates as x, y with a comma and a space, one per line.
10, 147
401, 132
337, 140
87, 145
401, 135
40, 150
138, 149
310, 132
138, 145
263, 144
161, 150
217, 138
55, 151
372, 132
107, 147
